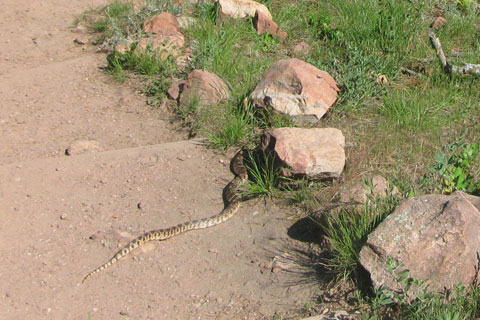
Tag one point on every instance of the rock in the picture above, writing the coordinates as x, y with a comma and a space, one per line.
175, 88
241, 8
360, 190
78, 29
296, 88
81, 40
83, 146
163, 23
316, 153
166, 34
434, 236
205, 86
439, 22
265, 24
301, 48
185, 22
123, 46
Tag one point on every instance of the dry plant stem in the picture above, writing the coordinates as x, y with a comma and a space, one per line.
410, 72
466, 68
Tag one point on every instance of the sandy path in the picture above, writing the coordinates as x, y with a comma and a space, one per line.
52, 93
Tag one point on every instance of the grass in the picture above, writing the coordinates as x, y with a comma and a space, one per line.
395, 129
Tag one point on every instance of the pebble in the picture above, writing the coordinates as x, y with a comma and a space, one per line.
63, 216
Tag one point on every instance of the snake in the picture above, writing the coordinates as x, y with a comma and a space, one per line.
232, 199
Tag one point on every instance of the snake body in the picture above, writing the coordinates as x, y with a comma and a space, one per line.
233, 204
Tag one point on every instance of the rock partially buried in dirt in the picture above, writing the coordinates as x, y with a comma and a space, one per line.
296, 88
205, 88
436, 237
301, 48
241, 8
317, 153
360, 190
83, 146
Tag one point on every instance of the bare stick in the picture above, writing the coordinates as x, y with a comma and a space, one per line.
410, 72
466, 68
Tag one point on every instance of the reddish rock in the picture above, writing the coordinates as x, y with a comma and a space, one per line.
360, 190
166, 34
242, 8
81, 40
301, 48
205, 86
164, 23
439, 22
265, 24
174, 91
296, 88
435, 237
315, 153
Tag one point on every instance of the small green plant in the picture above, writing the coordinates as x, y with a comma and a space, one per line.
320, 23
233, 129
264, 175
267, 43
453, 168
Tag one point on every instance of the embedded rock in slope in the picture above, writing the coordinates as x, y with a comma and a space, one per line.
296, 88
316, 153
242, 8
265, 24
205, 87
360, 190
166, 34
436, 237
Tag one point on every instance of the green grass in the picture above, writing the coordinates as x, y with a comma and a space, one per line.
347, 232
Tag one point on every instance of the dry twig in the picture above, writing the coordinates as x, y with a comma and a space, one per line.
447, 66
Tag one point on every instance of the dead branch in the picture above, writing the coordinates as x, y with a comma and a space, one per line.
447, 66
410, 72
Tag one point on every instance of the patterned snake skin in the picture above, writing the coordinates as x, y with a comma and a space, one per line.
233, 203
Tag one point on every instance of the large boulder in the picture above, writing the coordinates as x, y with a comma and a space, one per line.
296, 88
316, 153
435, 237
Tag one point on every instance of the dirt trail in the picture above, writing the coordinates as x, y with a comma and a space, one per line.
63, 216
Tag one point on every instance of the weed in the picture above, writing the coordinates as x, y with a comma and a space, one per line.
233, 129
348, 231
264, 175
414, 300
453, 169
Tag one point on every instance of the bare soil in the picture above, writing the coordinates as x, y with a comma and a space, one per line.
64, 216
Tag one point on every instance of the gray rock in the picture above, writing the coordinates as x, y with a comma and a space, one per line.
436, 238
316, 153
296, 88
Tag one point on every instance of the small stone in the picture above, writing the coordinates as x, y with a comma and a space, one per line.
276, 270
439, 22
213, 250
63, 216
123, 313
78, 29
81, 40
139, 206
